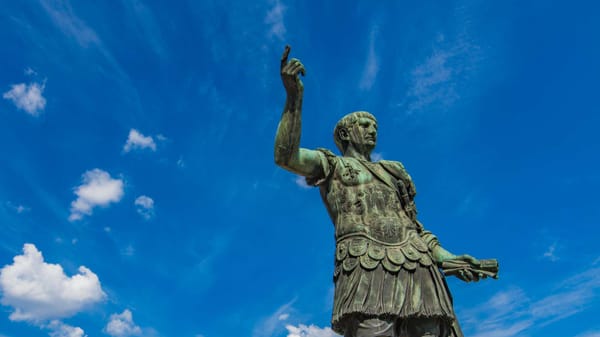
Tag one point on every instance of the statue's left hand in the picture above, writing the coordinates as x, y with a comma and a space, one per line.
468, 268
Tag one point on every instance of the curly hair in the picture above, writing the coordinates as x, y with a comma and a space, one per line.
345, 123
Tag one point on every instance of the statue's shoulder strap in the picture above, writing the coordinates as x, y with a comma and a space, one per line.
397, 170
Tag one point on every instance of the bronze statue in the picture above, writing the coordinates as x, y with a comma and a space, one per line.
387, 266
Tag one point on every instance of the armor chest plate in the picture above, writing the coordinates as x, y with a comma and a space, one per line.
361, 203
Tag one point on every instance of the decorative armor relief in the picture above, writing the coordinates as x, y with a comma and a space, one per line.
367, 252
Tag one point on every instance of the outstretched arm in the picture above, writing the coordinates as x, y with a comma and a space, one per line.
288, 153
465, 267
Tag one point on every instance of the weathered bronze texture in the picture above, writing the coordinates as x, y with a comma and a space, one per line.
389, 270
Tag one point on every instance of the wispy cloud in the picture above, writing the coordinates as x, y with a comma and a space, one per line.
77, 30
122, 325
27, 97
41, 293
376, 156
595, 333
128, 251
98, 189
432, 82
271, 324
29, 72
309, 331
550, 253
144, 205
301, 182
137, 141
372, 65
275, 20
65, 19
146, 24
511, 312
18, 207
435, 82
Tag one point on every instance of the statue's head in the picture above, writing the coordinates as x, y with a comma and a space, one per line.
358, 128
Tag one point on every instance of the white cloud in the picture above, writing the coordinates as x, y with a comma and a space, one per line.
60, 329
511, 312
274, 19
301, 181
38, 291
372, 65
122, 325
283, 317
309, 331
98, 189
145, 206
136, 141
27, 97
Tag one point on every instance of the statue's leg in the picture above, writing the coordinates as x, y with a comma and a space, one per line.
422, 327
371, 328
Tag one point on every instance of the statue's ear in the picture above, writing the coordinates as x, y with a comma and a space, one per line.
343, 134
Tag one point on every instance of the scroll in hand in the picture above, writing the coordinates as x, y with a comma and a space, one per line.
468, 271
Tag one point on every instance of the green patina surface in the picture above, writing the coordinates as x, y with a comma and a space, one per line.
387, 265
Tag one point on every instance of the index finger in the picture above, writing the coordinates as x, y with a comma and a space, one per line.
284, 57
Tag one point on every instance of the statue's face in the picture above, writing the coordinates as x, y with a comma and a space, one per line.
363, 134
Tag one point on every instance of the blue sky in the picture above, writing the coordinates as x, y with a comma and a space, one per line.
138, 192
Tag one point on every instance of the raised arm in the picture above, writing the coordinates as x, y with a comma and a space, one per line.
288, 153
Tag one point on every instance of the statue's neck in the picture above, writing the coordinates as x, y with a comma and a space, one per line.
353, 152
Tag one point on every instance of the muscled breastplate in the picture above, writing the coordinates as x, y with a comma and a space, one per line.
361, 204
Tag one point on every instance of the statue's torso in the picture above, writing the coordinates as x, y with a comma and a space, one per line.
361, 203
